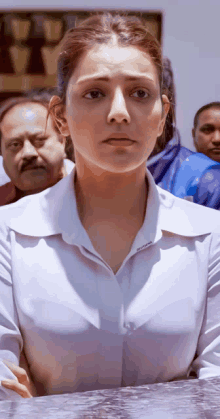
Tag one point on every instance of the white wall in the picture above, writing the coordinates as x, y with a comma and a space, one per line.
191, 36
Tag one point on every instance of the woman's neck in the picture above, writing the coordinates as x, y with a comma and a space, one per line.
110, 195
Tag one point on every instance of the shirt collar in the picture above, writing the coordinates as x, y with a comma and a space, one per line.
46, 213
54, 211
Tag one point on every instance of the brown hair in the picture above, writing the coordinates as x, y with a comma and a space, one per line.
99, 29
168, 88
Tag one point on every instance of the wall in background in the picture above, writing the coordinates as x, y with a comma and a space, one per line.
191, 35
30, 45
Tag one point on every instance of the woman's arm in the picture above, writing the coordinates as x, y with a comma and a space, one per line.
207, 364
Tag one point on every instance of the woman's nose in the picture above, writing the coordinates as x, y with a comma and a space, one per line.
118, 112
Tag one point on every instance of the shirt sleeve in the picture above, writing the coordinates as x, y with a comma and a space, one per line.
208, 190
10, 336
207, 361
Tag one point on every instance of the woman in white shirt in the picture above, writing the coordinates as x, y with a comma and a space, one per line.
105, 279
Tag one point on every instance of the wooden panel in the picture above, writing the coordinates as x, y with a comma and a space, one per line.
29, 45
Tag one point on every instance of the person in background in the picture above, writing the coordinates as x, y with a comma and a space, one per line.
177, 169
33, 151
206, 130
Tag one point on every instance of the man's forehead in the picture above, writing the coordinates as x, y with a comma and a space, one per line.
24, 114
210, 116
21, 119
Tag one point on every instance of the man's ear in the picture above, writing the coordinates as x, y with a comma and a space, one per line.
194, 137
58, 113
165, 110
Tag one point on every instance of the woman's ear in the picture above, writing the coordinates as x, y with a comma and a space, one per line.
166, 105
165, 110
58, 113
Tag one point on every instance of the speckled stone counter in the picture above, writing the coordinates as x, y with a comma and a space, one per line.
180, 399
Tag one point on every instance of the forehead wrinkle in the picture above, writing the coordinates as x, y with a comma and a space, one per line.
105, 61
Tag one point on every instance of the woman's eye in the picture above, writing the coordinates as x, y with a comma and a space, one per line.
94, 94
140, 94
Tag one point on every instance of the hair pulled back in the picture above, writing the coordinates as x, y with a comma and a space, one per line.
100, 29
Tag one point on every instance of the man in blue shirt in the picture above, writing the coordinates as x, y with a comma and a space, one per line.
186, 174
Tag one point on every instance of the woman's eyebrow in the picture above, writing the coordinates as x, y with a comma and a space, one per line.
107, 79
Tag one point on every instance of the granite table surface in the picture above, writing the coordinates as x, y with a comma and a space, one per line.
180, 399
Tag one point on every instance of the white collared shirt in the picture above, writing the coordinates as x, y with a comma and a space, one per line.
82, 327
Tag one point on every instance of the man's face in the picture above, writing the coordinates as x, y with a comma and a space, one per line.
207, 133
32, 156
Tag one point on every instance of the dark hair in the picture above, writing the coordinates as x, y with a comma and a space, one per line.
168, 88
204, 108
41, 97
99, 29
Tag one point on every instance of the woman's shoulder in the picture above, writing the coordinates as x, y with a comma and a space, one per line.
39, 214
12, 209
187, 218
14, 212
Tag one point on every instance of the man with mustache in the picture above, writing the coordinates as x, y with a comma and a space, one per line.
32, 149
206, 130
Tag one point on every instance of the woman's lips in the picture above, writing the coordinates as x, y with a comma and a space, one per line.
119, 142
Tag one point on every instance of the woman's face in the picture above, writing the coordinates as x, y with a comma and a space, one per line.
113, 108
